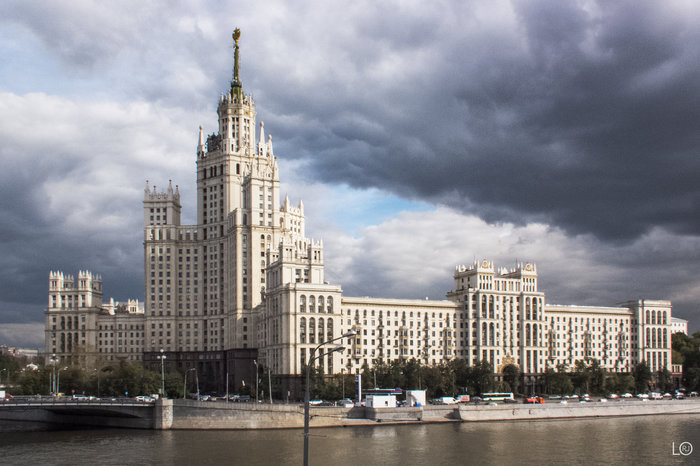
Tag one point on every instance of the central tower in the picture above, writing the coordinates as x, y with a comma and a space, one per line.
238, 214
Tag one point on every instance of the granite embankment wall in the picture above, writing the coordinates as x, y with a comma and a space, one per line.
506, 412
198, 415
218, 415
184, 414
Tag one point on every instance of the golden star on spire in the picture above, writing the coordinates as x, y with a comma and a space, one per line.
236, 35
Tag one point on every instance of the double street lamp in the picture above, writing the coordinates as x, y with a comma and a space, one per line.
312, 357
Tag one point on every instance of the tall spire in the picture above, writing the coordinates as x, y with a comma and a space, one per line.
236, 86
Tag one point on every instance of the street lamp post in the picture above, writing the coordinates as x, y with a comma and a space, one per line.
312, 357
58, 379
97, 372
255, 361
162, 358
53, 360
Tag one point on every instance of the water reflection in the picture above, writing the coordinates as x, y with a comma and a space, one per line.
631, 440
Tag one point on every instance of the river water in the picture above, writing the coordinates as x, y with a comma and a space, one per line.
626, 440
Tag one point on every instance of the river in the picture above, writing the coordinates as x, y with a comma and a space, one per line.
626, 440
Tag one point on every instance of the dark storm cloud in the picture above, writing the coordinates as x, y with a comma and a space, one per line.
586, 118
579, 115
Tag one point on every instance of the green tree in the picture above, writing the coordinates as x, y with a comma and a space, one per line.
558, 382
664, 381
511, 375
581, 377
33, 382
642, 376
482, 380
625, 384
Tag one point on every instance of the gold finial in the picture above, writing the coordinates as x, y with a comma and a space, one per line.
236, 35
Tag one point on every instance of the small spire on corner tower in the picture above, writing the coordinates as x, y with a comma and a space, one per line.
261, 142
200, 144
236, 86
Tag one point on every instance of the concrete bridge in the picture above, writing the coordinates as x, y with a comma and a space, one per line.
119, 412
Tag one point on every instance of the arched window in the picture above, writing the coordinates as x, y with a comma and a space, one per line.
648, 340
665, 339
534, 311
484, 307
664, 318
329, 329
534, 335
320, 304
647, 320
492, 335
653, 317
484, 333
302, 303
528, 309
302, 330
491, 307
528, 335
312, 304
320, 329
329, 304
312, 330
653, 339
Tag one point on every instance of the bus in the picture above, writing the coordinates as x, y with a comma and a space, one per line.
506, 396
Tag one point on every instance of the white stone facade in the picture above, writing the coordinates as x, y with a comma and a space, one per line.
81, 330
679, 325
246, 277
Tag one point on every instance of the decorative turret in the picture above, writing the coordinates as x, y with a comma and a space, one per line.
161, 208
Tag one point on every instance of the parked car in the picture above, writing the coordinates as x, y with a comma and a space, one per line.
77, 397
643, 396
627, 395
144, 398
613, 396
656, 396
534, 399
345, 403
